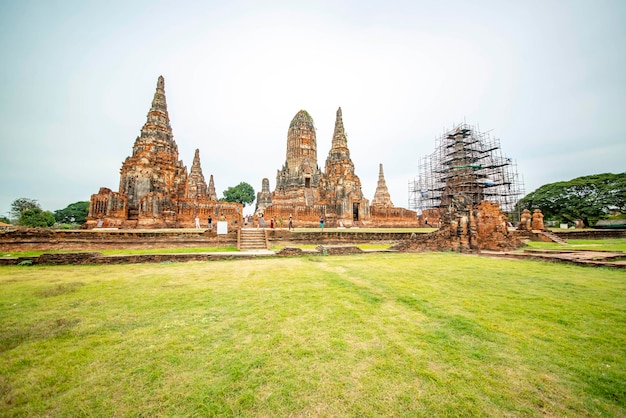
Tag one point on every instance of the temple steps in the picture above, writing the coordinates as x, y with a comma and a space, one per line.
252, 239
553, 237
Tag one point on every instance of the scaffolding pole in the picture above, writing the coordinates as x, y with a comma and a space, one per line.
467, 164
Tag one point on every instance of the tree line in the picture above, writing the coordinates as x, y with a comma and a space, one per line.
588, 198
28, 212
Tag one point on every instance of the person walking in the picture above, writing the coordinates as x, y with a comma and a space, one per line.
290, 222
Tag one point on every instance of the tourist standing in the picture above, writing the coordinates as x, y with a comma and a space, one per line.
322, 222
210, 222
197, 223
290, 222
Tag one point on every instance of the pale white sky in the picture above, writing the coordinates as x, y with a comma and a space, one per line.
77, 79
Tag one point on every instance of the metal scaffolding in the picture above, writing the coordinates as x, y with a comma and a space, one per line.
466, 166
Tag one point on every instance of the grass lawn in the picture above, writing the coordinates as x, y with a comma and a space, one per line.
179, 250
609, 244
364, 335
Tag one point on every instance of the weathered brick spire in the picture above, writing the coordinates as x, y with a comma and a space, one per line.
338, 162
342, 187
340, 140
158, 120
339, 150
154, 166
159, 102
382, 197
197, 185
211, 192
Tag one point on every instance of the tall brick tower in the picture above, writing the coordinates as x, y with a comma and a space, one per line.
154, 166
342, 187
155, 189
299, 178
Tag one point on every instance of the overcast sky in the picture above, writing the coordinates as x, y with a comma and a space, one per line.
546, 77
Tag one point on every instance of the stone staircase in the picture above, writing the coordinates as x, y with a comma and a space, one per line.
252, 239
553, 237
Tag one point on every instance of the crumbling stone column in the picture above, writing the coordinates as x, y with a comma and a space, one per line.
537, 222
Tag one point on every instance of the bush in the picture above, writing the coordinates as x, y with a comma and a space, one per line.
36, 218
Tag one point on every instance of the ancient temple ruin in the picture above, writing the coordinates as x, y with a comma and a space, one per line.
155, 189
308, 194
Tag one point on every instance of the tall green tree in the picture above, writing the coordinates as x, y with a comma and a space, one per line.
589, 198
73, 213
22, 204
242, 193
36, 218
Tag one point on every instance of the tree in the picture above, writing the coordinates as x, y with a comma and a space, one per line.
242, 193
22, 204
73, 213
36, 218
589, 198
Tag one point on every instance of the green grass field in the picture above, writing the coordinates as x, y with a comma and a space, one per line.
611, 244
437, 334
179, 250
